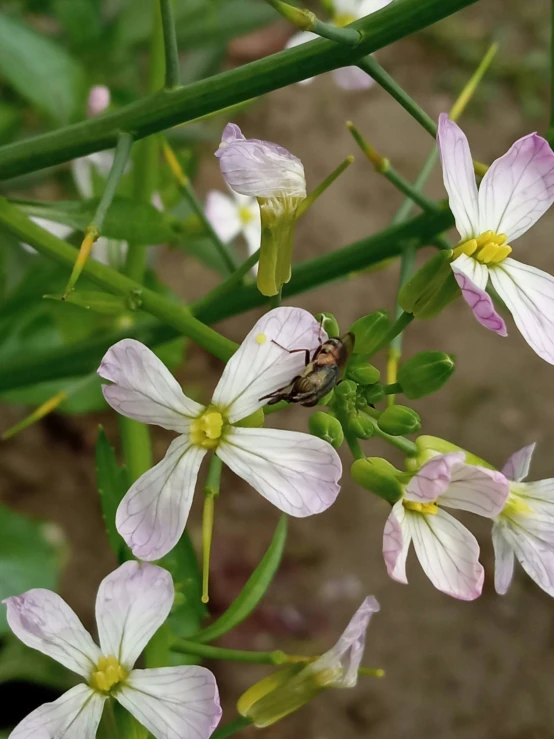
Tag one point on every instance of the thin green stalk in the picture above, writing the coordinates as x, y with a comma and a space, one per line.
275, 300
211, 492
353, 443
407, 206
403, 320
349, 36
214, 296
239, 723
164, 109
406, 188
207, 651
407, 264
137, 449
172, 71
400, 442
320, 189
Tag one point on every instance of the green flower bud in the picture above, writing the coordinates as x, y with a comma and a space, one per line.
431, 289
425, 373
430, 446
361, 424
276, 696
397, 420
253, 421
373, 393
345, 396
379, 477
361, 371
326, 427
329, 324
370, 331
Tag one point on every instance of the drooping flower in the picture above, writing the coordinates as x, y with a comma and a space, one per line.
275, 177
525, 526
296, 472
447, 551
516, 190
232, 215
288, 690
132, 603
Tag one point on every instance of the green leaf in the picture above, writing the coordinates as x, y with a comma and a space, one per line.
223, 22
253, 591
27, 558
42, 72
19, 663
112, 484
81, 19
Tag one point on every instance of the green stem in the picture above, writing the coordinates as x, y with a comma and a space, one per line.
348, 36
207, 651
137, 449
121, 157
403, 320
110, 723
320, 189
172, 72
231, 728
168, 108
400, 442
407, 263
275, 300
214, 296
211, 491
395, 387
353, 443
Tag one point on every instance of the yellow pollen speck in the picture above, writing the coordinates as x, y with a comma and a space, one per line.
516, 506
245, 215
108, 674
488, 248
261, 338
430, 508
206, 430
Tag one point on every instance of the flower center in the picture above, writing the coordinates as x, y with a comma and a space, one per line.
245, 215
343, 19
489, 248
206, 430
108, 674
412, 505
516, 506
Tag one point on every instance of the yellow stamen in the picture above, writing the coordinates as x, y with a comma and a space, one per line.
109, 673
206, 430
488, 248
245, 215
430, 508
516, 506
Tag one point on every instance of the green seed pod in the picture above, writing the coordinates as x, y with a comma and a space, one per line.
361, 425
379, 477
431, 289
397, 420
361, 371
326, 427
370, 331
425, 373
329, 324
374, 393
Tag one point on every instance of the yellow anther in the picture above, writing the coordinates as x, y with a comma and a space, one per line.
501, 253
206, 430
516, 506
488, 248
327, 676
485, 238
109, 673
261, 338
245, 215
470, 247
430, 508
487, 253
343, 19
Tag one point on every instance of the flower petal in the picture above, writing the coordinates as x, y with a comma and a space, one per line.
131, 605
75, 715
353, 78
534, 555
296, 40
471, 268
433, 477
262, 365
296, 472
458, 176
367, 7
517, 188
448, 554
152, 515
43, 621
173, 702
396, 543
144, 389
477, 490
259, 168
504, 560
529, 296
517, 466
222, 212
480, 303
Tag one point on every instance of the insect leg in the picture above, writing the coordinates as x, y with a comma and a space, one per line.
294, 351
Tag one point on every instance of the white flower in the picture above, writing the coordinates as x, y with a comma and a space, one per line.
516, 190
132, 603
296, 472
234, 214
525, 527
447, 551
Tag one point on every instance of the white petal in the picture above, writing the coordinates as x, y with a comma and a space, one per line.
222, 213
296, 472
396, 543
477, 490
153, 514
173, 702
81, 169
58, 229
262, 363
131, 605
517, 188
504, 560
540, 491
43, 621
353, 78
476, 271
517, 466
75, 715
458, 176
144, 389
534, 555
480, 303
448, 554
432, 479
529, 296
367, 7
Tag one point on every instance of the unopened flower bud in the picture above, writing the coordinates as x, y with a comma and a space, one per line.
373, 393
397, 420
379, 477
98, 100
329, 324
430, 446
345, 395
431, 289
361, 425
361, 371
326, 427
370, 331
425, 373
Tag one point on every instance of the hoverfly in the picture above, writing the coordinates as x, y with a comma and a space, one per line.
320, 375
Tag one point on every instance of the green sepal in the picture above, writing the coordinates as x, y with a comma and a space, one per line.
425, 373
374, 393
431, 288
398, 420
361, 371
370, 331
379, 477
326, 427
361, 425
329, 324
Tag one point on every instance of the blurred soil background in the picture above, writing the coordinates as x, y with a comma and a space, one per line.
480, 670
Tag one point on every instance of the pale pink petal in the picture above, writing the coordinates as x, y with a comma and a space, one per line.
98, 100
517, 466
43, 621
173, 702
396, 543
534, 555
476, 271
529, 296
131, 605
540, 491
504, 560
477, 490
448, 554
75, 715
352, 79
152, 516
517, 188
480, 303
296, 472
253, 236
144, 389
262, 363
296, 40
458, 176
222, 212
432, 479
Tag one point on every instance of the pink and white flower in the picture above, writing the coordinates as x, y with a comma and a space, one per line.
447, 551
132, 603
516, 190
296, 472
525, 527
233, 215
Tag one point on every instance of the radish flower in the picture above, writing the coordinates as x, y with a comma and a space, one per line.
233, 215
132, 603
516, 190
296, 472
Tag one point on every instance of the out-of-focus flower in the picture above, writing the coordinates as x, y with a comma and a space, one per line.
516, 190
235, 214
296, 472
99, 99
132, 603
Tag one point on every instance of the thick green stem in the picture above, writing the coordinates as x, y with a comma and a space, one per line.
403, 320
215, 295
172, 73
239, 723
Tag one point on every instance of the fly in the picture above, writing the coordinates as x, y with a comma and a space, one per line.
320, 374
